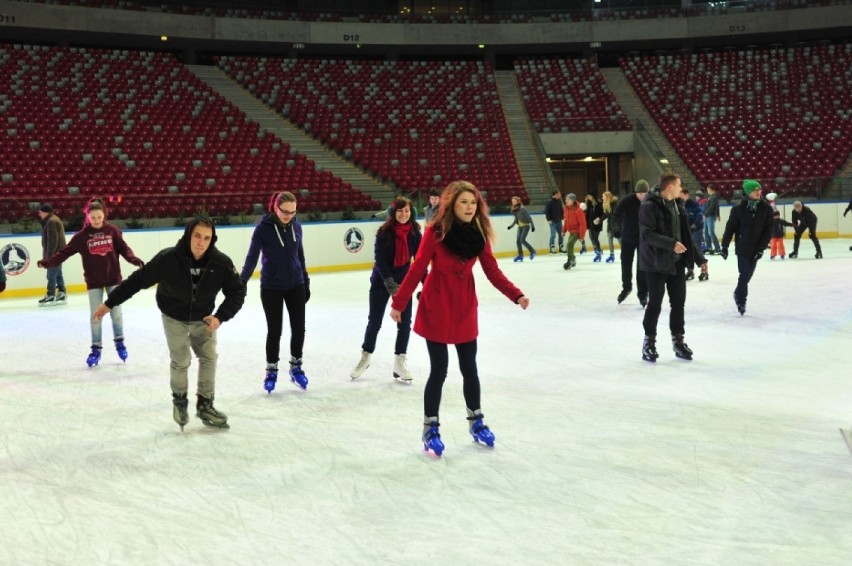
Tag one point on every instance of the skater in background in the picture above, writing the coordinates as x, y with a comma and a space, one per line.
460, 234
608, 207
2, 278
776, 243
573, 224
189, 276
432, 208
751, 222
397, 241
553, 215
626, 229
284, 282
525, 224
711, 215
804, 219
99, 244
845, 212
594, 222
665, 249
695, 219
52, 240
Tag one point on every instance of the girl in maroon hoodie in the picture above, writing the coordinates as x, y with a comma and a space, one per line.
460, 233
99, 244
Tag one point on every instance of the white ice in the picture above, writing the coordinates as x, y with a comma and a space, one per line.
601, 458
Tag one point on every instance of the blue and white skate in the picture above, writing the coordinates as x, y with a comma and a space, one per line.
121, 349
270, 380
94, 356
481, 433
432, 444
298, 376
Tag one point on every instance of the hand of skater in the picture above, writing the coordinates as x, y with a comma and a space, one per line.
100, 312
212, 322
524, 302
396, 315
679, 248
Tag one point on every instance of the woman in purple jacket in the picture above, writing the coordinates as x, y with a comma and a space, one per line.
99, 244
283, 281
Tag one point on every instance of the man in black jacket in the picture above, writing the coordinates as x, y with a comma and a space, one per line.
665, 249
189, 276
751, 221
553, 214
804, 219
625, 227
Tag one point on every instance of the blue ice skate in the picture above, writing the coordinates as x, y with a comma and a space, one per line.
271, 378
480, 431
121, 349
94, 356
298, 376
432, 440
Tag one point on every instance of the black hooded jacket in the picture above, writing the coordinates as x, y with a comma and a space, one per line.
657, 239
170, 270
752, 227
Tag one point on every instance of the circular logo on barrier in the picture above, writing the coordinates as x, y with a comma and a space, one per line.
15, 259
353, 240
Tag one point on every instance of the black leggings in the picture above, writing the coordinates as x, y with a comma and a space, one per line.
273, 301
440, 361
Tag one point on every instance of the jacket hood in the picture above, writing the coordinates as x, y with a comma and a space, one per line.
185, 240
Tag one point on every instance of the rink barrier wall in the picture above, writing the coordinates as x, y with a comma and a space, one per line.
329, 246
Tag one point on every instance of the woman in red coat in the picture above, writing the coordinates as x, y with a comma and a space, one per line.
460, 233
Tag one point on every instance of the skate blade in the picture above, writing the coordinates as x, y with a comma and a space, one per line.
649, 359
434, 454
406, 381
847, 438
483, 442
211, 424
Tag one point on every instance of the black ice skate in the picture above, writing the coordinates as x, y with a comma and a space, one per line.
680, 348
649, 349
623, 295
209, 415
179, 412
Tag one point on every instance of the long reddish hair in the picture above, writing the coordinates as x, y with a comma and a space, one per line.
444, 218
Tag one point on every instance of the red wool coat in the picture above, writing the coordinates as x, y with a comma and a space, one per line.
448, 308
575, 221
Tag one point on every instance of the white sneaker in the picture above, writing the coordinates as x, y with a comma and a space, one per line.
400, 371
362, 365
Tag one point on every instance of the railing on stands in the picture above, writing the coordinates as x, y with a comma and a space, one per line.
790, 188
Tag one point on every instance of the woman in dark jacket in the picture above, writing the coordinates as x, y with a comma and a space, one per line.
283, 281
397, 241
594, 220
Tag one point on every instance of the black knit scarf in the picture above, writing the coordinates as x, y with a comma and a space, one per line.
464, 240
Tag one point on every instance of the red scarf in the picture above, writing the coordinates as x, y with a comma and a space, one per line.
402, 255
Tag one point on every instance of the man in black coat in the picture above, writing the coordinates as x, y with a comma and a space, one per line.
751, 221
189, 276
553, 211
804, 219
625, 227
665, 249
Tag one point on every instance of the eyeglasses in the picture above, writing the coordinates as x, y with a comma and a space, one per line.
286, 212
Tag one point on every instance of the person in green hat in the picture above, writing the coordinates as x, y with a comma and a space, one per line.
751, 221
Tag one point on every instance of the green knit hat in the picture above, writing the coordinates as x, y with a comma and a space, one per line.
749, 186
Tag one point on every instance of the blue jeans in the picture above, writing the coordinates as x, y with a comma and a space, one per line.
710, 239
746, 267
96, 297
55, 281
555, 230
379, 298
521, 240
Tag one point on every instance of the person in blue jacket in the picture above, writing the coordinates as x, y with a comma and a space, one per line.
397, 241
284, 282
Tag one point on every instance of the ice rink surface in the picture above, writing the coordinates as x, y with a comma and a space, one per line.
601, 458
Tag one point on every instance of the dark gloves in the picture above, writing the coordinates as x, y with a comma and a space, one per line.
617, 235
2, 286
40, 263
307, 293
508, 227
138, 262
724, 253
533, 228
391, 285
758, 255
845, 212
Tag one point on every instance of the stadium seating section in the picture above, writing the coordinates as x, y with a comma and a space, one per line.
783, 116
141, 128
418, 124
